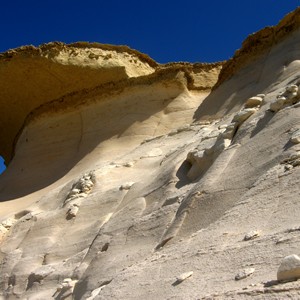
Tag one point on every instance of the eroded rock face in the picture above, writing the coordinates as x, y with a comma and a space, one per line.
147, 178
58, 69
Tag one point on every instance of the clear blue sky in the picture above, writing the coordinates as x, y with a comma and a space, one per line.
194, 31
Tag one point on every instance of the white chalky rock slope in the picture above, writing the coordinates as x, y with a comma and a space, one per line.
123, 173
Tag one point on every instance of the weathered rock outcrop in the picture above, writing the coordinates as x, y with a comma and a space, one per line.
128, 179
32, 77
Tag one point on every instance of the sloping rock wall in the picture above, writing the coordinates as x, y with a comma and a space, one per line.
147, 184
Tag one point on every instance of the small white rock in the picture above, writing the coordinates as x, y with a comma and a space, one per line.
67, 283
67, 286
295, 138
72, 211
251, 235
244, 273
289, 268
184, 276
126, 186
128, 164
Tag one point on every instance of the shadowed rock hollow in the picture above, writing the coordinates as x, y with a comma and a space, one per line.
128, 179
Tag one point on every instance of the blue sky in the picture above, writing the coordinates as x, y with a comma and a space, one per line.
194, 31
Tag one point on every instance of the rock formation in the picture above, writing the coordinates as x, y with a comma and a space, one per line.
128, 179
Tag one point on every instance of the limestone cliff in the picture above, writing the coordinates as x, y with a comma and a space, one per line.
128, 179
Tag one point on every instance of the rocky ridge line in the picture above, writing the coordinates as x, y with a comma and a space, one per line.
259, 43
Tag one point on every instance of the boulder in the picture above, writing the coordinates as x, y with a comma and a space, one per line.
289, 268
295, 138
278, 104
230, 131
243, 115
253, 102
72, 211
